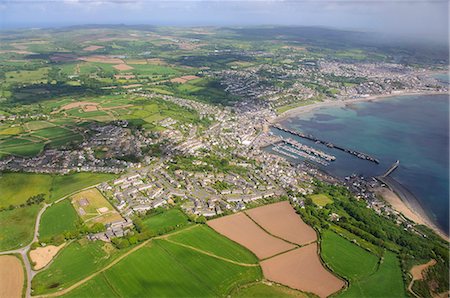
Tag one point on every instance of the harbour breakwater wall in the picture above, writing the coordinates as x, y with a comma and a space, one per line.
358, 154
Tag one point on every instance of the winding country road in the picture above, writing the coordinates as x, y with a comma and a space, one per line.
30, 273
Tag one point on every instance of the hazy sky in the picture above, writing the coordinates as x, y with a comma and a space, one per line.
420, 19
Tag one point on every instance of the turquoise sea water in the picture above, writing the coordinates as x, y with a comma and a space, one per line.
412, 129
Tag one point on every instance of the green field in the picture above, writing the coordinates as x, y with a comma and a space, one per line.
163, 269
360, 268
17, 227
16, 188
21, 147
57, 219
164, 221
27, 76
386, 282
74, 262
204, 238
345, 258
67, 184
321, 199
262, 290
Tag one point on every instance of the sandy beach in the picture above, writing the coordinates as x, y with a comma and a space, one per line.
340, 103
414, 213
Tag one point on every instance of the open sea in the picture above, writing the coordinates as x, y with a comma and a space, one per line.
412, 129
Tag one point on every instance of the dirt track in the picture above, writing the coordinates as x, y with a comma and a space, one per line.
301, 269
11, 277
280, 220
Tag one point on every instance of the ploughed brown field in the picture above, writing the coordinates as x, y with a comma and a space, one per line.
11, 277
301, 269
122, 66
285, 244
280, 220
102, 59
241, 229
92, 48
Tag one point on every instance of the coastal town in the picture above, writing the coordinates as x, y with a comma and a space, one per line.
124, 148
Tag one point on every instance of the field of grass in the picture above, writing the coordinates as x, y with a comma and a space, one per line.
17, 227
16, 188
262, 290
22, 147
159, 223
359, 266
67, 184
163, 269
378, 251
205, 238
51, 132
345, 258
13, 130
27, 76
58, 219
76, 261
386, 282
321, 199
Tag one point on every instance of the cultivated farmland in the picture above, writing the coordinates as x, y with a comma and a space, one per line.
276, 235
301, 269
11, 277
76, 261
280, 220
240, 228
206, 239
164, 269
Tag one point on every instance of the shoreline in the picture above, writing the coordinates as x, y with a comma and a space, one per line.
414, 213
343, 102
410, 209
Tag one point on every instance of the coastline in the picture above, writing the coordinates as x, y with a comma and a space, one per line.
414, 213
343, 102
410, 208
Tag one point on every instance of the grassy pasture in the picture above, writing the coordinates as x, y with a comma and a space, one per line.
360, 268
36, 125
347, 259
22, 147
18, 187
321, 199
57, 219
386, 282
12, 130
51, 132
27, 76
163, 269
159, 223
76, 261
17, 227
67, 184
205, 238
